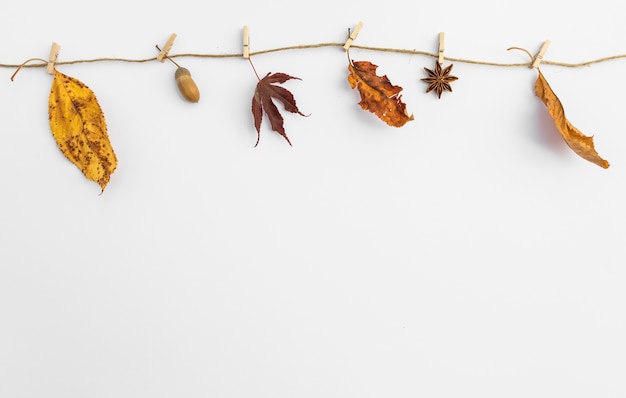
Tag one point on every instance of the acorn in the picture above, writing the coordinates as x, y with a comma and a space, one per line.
186, 85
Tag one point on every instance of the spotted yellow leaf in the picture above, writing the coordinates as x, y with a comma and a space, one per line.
79, 128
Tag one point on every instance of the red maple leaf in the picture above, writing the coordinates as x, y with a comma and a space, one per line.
265, 91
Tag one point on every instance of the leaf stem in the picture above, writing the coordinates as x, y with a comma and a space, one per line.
522, 49
24, 63
348, 51
254, 69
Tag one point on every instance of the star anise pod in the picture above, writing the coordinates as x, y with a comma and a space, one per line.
439, 79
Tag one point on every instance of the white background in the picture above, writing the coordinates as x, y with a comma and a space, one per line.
469, 253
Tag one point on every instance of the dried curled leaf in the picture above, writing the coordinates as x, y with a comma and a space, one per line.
580, 143
262, 101
378, 95
79, 128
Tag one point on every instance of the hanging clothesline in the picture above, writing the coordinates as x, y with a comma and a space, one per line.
321, 45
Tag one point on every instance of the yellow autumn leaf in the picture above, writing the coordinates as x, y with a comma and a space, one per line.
79, 128
580, 143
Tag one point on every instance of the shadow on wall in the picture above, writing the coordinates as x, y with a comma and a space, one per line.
546, 133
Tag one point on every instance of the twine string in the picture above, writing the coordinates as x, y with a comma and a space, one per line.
320, 45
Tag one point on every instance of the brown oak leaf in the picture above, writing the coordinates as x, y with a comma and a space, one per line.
575, 139
378, 95
265, 91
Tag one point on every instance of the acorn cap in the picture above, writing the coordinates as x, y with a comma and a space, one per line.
182, 72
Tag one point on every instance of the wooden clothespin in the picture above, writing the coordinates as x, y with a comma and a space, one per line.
168, 45
353, 35
540, 54
52, 59
246, 42
441, 47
